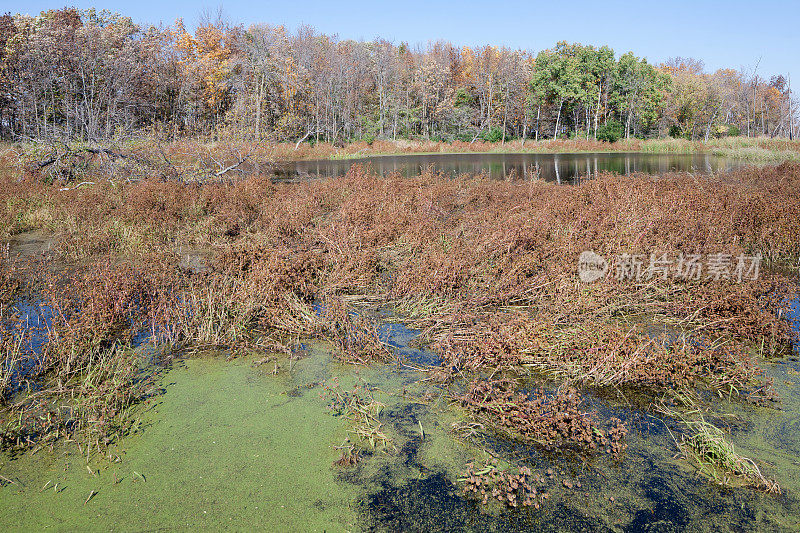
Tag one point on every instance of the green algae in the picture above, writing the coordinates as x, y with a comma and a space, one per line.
771, 435
234, 445
223, 447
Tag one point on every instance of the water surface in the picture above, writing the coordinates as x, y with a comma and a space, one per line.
560, 168
230, 445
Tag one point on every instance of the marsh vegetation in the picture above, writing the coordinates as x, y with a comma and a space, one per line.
524, 291
539, 377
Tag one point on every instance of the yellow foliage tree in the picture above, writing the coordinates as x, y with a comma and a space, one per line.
207, 54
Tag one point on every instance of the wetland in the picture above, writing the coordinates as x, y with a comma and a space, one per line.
390, 351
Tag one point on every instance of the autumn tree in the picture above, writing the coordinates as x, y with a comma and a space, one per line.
89, 75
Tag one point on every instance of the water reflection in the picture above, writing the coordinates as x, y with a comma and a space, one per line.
560, 168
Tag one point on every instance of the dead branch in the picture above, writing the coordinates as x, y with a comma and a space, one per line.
76, 186
71, 152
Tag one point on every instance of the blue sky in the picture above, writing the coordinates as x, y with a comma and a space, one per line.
733, 33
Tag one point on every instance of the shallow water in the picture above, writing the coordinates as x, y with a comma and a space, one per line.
560, 168
234, 445
30, 244
223, 446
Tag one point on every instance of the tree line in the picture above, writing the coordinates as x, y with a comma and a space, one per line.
88, 75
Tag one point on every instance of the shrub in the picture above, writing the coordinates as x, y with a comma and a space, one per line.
610, 132
493, 135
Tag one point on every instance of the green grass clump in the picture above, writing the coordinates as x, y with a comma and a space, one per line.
704, 445
717, 458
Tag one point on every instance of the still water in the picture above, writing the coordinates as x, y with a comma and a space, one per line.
238, 445
560, 168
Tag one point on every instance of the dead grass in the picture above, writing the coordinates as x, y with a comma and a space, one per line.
487, 269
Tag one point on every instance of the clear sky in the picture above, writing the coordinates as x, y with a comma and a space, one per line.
733, 33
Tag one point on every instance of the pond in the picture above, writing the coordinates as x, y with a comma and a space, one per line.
560, 168
243, 445
255, 443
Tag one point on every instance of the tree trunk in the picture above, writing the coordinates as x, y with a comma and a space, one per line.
505, 117
558, 118
258, 108
597, 109
628, 123
588, 124
791, 111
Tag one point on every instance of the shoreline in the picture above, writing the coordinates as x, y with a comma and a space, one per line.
761, 149
509, 152
770, 150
